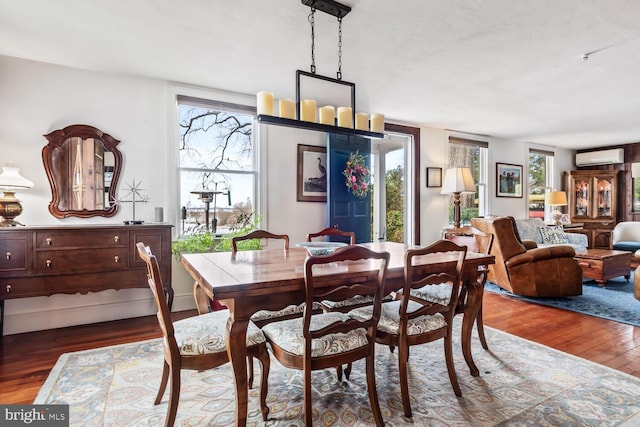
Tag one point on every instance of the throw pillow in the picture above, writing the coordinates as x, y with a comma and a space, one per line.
553, 235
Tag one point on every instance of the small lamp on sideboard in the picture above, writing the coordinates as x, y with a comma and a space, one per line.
555, 199
456, 181
10, 207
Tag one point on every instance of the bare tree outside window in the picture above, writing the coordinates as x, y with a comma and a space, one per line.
216, 156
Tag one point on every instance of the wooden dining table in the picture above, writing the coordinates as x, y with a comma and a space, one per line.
272, 279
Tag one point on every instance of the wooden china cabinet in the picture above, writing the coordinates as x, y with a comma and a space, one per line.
592, 201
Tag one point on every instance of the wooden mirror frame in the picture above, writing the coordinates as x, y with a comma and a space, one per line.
56, 139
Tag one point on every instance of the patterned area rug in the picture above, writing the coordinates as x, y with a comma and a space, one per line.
521, 384
613, 301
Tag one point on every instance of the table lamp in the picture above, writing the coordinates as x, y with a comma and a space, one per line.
10, 207
555, 199
456, 181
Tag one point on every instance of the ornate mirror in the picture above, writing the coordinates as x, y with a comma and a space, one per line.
83, 166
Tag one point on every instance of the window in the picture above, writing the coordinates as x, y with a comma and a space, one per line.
540, 179
472, 154
217, 165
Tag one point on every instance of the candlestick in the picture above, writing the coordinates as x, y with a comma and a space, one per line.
308, 110
377, 122
345, 117
362, 121
328, 115
287, 109
265, 103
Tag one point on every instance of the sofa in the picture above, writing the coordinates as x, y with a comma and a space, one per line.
544, 236
626, 237
536, 272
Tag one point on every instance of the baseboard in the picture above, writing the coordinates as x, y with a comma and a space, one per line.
31, 320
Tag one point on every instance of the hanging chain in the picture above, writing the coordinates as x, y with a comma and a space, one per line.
339, 49
313, 39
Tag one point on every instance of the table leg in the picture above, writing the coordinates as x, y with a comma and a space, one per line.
475, 292
201, 298
237, 351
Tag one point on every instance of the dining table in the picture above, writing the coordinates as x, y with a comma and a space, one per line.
272, 279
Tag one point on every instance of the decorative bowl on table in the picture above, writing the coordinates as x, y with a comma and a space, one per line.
320, 248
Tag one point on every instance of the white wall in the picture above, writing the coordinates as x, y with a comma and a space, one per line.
37, 98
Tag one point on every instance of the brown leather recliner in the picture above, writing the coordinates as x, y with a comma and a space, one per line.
526, 271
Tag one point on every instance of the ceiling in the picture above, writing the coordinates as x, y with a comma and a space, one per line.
509, 69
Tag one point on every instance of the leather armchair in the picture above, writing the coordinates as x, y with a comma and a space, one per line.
526, 270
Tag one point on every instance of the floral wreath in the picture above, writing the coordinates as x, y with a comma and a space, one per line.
357, 175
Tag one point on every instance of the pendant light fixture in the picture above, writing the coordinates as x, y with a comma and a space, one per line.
321, 115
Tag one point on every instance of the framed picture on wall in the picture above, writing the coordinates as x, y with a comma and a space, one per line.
434, 177
312, 173
508, 180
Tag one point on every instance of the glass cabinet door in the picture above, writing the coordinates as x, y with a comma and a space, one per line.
582, 197
603, 197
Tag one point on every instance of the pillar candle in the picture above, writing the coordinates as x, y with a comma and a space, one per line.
377, 122
362, 121
308, 110
287, 109
328, 115
265, 103
345, 117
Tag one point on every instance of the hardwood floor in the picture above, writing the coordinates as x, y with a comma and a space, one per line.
26, 359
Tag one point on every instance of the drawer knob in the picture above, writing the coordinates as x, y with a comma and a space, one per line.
48, 262
8, 288
8, 255
116, 239
116, 258
49, 241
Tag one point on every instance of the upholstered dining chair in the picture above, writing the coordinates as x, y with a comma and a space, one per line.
412, 321
258, 234
196, 343
333, 233
320, 341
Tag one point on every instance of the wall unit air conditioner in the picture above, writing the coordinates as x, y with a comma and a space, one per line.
602, 157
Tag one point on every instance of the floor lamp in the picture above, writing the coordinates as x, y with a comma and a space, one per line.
456, 181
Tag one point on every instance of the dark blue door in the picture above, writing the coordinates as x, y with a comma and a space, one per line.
346, 211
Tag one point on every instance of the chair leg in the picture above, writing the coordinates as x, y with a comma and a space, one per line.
339, 373
480, 326
373, 392
451, 369
174, 396
163, 383
403, 359
308, 412
265, 364
250, 371
347, 371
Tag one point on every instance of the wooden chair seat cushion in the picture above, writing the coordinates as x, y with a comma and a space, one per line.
205, 334
357, 300
390, 319
440, 294
287, 311
287, 334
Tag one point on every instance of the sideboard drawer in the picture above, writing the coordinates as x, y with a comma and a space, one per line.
86, 239
81, 260
13, 252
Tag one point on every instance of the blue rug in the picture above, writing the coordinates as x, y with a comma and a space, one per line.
614, 301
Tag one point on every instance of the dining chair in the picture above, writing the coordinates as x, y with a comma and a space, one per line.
258, 234
325, 340
476, 241
196, 343
335, 234
412, 321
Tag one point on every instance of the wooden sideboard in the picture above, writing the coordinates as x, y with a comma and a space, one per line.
42, 261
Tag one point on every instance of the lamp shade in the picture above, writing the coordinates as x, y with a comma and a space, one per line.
458, 180
556, 198
11, 179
